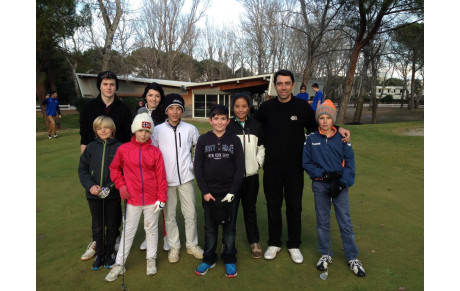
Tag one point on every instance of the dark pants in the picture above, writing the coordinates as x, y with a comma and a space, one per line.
211, 229
283, 181
248, 192
111, 210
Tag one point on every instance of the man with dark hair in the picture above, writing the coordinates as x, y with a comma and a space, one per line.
108, 104
319, 97
284, 120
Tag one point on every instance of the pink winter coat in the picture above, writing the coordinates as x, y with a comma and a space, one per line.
140, 167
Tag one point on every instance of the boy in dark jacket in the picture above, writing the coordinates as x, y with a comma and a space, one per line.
331, 165
219, 171
103, 198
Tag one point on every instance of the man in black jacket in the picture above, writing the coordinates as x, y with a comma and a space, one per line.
284, 120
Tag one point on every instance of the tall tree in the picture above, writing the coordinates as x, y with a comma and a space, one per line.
110, 28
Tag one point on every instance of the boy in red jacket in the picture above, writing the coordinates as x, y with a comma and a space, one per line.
139, 174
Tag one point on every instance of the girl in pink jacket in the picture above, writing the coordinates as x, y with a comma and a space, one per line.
139, 174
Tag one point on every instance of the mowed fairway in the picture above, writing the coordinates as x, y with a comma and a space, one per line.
386, 210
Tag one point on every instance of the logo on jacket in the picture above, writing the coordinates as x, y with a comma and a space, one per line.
146, 124
294, 117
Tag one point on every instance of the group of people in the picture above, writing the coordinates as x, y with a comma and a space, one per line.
151, 160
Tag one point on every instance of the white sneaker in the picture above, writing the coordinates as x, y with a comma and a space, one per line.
143, 245
117, 244
151, 267
113, 274
296, 256
357, 267
90, 252
323, 262
166, 246
271, 252
196, 251
173, 255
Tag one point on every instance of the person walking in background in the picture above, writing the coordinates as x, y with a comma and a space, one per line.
319, 98
108, 104
303, 93
103, 198
139, 174
52, 112
330, 163
250, 133
284, 120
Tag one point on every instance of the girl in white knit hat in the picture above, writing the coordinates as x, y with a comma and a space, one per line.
139, 174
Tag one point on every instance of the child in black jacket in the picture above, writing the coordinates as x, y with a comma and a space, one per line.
219, 171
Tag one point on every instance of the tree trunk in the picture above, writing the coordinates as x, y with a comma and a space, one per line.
364, 86
412, 87
349, 84
110, 28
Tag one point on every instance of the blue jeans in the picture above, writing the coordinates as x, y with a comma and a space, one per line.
342, 213
211, 232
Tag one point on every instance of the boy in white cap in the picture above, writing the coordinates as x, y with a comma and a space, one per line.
176, 140
330, 163
139, 174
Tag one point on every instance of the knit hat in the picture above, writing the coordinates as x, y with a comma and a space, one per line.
174, 99
142, 121
105, 74
326, 108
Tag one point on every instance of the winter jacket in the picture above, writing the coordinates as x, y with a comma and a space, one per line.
251, 136
118, 111
322, 154
94, 166
140, 167
176, 145
219, 163
284, 127
52, 106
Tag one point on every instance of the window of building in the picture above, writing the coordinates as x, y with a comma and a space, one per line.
203, 103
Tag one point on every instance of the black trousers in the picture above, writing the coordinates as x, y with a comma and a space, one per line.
110, 209
283, 182
248, 192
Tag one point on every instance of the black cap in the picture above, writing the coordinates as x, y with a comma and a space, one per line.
174, 99
104, 75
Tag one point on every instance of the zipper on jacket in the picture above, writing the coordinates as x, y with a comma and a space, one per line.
102, 164
177, 154
140, 169
244, 148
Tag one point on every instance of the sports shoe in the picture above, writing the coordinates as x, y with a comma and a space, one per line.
143, 245
90, 252
357, 267
256, 251
323, 262
173, 255
117, 243
271, 252
50, 137
151, 267
196, 251
113, 274
166, 246
230, 270
203, 268
56, 136
296, 256
109, 260
98, 263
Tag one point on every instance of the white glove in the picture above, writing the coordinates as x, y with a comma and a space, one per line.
158, 206
104, 192
229, 198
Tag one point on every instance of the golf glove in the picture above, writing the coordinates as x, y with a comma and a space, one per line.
336, 188
158, 206
332, 176
124, 192
228, 198
104, 192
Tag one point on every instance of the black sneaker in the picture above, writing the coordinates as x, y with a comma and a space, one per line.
98, 263
357, 267
109, 260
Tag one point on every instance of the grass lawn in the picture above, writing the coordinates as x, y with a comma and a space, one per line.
386, 209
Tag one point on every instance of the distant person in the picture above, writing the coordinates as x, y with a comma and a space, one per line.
103, 198
219, 170
319, 97
250, 133
108, 104
284, 120
140, 105
139, 174
330, 163
303, 93
52, 112
176, 139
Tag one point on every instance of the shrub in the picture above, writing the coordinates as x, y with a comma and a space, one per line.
387, 99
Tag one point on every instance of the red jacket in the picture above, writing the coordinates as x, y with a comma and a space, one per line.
140, 167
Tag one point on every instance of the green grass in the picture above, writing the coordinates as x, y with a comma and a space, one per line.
386, 210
